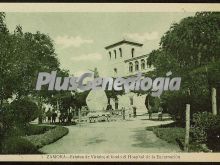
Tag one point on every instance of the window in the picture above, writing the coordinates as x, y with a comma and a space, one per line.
130, 67
132, 52
116, 103
142, 64
110, 55
115, 53
136, 65
120, 52
131, 101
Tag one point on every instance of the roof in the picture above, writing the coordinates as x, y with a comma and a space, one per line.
123, 42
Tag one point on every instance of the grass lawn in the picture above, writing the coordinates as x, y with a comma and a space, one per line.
175, 134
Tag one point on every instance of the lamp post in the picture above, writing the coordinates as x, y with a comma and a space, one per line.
218, 96
213, 91
186, 146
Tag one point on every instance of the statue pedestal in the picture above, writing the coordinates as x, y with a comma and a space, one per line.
97, 100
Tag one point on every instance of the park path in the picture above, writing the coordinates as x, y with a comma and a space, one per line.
111, 137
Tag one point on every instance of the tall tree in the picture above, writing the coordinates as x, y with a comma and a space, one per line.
187, 49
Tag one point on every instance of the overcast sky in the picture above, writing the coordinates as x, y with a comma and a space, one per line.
80, 38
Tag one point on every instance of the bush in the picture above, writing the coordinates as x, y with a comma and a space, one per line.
48, 137
204, 124
171, 135
24, 110
36, 129
27, 130
13, 143
175, 103
18, 145
7, 118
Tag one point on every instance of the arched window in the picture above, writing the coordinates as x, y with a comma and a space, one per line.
110, 55
132, 52
115, 53
130, 67
142, 64
120, 52
136, 65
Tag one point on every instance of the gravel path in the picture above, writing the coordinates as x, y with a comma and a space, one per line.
112, 137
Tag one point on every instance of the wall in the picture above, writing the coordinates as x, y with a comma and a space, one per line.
118, 63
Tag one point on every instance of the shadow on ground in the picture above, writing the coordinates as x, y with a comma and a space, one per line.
95, 140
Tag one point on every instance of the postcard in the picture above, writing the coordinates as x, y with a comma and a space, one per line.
109, 82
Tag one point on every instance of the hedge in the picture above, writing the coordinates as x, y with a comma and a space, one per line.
48, 137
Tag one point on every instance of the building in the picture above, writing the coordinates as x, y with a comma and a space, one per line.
126, 58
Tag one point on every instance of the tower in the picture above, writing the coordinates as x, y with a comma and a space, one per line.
125, 58
118, 53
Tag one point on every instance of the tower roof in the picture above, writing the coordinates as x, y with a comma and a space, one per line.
123, 42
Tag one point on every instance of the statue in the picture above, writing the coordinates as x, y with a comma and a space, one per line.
96, 100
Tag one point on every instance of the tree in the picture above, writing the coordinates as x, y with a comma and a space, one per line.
37, 54
6, 62
23, 56
186, 49
194, 41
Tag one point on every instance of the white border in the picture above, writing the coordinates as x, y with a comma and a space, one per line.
108, 7
114, 157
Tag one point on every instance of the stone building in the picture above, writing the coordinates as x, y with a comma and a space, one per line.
126, 58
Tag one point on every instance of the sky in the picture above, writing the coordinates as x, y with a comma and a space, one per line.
79, 38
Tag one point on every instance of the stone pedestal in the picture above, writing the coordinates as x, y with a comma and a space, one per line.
97, 100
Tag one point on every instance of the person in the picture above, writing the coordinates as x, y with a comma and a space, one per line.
160, 113
134, 111
70, 116
54, 115
109, 107
150, 113
123, 113
44, 117
130, 112
48, 114
60, 117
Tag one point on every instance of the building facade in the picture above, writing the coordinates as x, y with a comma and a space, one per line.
126, 58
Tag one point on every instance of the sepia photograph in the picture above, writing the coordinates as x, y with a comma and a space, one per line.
109, 82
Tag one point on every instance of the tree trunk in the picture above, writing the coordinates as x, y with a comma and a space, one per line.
214, 104
79, 113
40, 118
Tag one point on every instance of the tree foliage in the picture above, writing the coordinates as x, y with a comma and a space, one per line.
190, 49
22, 56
